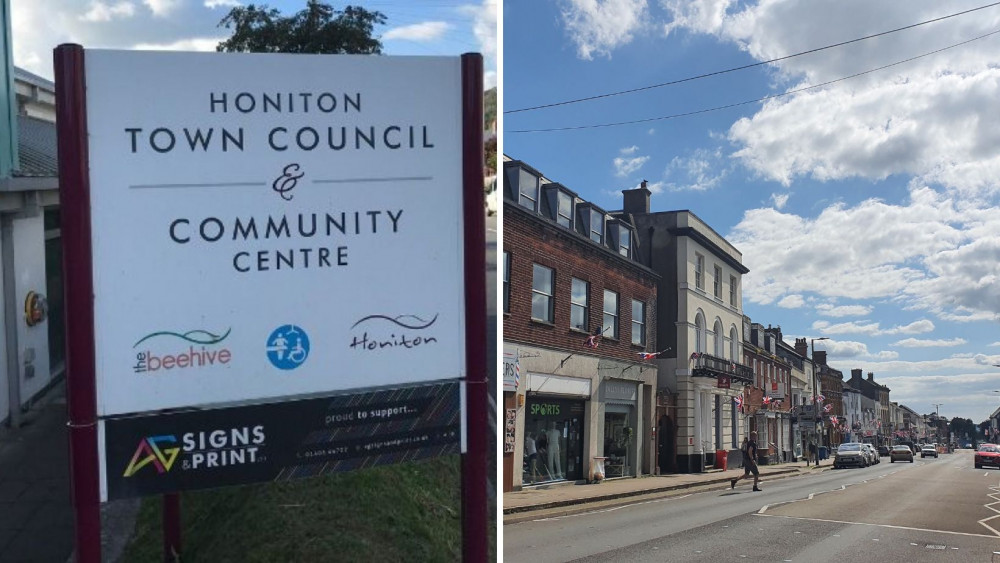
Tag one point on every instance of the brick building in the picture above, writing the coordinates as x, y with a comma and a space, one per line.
769, 397
578, 315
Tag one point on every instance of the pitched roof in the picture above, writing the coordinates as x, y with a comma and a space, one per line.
36, 144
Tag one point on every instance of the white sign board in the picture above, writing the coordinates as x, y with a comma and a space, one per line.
511, 370
270, 226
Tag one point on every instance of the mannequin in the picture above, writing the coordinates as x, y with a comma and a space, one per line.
553, 462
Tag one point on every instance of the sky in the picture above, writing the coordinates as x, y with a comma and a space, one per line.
413, 27
866, 208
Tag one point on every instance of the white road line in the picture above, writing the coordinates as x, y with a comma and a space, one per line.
879, 526
612, 509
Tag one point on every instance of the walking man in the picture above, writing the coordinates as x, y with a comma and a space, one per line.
812, 454
749, 462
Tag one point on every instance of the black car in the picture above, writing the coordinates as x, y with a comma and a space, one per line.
883, 450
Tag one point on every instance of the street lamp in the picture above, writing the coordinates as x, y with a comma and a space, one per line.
937, 429
816, 414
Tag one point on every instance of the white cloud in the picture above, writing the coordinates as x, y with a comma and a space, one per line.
424, 31
212, 4
792, 302
872, 328
600, 26
192, 44
103, 12
932, 252
627, 164
701, 171
994, 344
162, 8
918, 343
485, 30
918, 327
830, 310
779, 200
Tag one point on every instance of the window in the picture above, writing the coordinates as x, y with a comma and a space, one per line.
579, 315
699, 269
528, 188
719, 338
625, 241
733, 339
564, 213
542, 290
597, 227
699, 333
732, 290
610, 314
506, 282
638, 323
718, 282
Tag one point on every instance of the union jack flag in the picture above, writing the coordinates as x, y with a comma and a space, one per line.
594, 338
828, 408
739, 402
695, 355
767, 400
834, 420
820, 398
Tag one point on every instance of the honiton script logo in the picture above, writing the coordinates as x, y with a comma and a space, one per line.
400, 329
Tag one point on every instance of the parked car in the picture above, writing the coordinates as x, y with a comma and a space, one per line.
873, 457
927, 450
883, 450
850, 454
902, 453
988, 454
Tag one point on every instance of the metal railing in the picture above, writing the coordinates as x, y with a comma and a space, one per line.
708, 365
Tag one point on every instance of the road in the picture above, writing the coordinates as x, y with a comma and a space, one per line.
930, 510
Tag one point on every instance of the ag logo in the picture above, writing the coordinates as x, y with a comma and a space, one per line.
287, 347
149, 451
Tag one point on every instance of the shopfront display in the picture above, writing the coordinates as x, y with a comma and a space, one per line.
619, 440
553, 432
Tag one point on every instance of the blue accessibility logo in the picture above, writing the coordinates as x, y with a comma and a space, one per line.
288, 347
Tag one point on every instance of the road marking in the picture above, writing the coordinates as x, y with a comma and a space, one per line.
990, 507
612, 509
878, 525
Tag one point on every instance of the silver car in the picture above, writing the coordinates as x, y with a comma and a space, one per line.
873, 456
850, 454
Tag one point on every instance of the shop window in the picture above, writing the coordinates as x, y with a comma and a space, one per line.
553, 429
619, 441
54, 287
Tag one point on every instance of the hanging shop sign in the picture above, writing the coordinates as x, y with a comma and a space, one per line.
511, 370
723, 382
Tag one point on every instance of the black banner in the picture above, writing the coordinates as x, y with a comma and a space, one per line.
153, 454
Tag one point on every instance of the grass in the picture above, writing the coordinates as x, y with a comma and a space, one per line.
404, 512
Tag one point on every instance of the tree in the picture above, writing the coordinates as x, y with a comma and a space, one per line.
316, 29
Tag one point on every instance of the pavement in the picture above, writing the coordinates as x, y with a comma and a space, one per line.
36, 508
558, 499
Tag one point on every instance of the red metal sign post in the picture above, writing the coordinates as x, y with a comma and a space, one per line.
74, 203
474, 481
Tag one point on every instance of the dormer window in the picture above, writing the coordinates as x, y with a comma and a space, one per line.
527, 187
625, 241
597, 226
564, 209
558, 204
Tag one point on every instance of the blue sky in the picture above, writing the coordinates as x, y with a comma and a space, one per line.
866, 210
414, 27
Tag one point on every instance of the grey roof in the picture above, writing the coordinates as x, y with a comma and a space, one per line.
36, 145
31, 78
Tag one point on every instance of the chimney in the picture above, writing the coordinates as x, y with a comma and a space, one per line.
871, 377
856, 375
801, 348
636, 201
819, 357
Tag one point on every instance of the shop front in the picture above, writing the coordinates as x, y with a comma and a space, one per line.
620, 423
553, 431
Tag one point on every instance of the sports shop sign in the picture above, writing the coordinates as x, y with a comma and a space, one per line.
266, 230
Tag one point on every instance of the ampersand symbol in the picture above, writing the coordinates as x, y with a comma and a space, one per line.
287, 181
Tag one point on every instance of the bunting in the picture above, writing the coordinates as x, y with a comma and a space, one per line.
827, 408
739, 402
834, 420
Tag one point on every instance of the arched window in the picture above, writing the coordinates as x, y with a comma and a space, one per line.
699, 333
734, 340
720, 336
